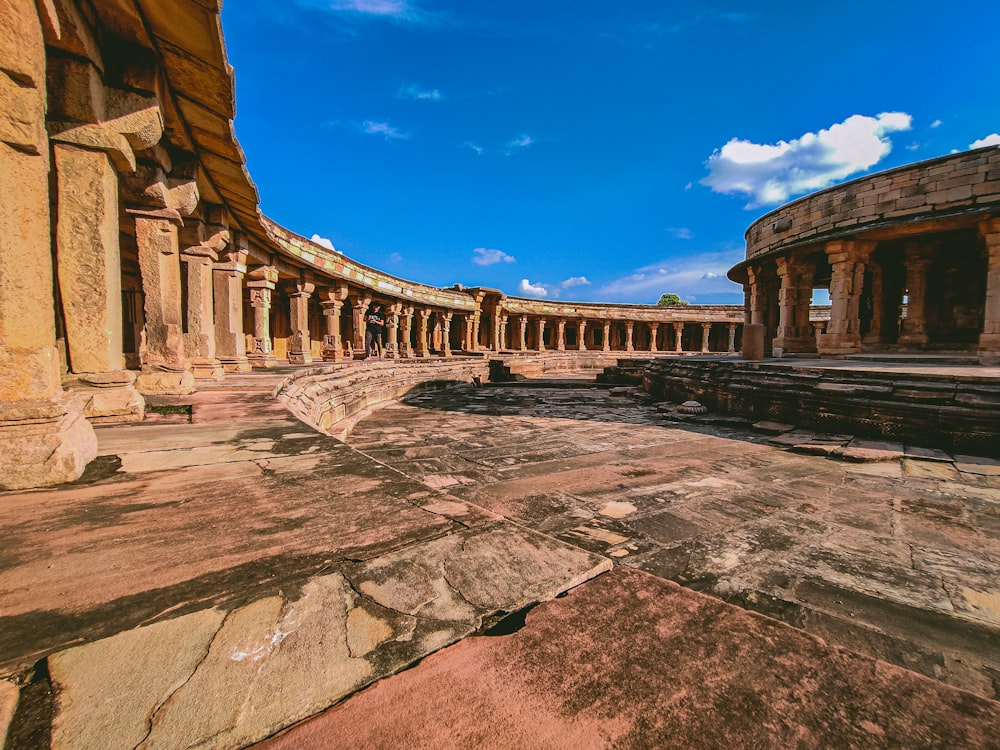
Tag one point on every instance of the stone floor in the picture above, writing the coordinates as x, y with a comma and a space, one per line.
223, 571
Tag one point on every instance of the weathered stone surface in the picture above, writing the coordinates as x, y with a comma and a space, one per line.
108, 692
865, 451
692, 672
8, 704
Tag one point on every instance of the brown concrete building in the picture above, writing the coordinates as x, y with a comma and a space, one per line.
911, 257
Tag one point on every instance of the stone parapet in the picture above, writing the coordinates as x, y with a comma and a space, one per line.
959, 412
952, 186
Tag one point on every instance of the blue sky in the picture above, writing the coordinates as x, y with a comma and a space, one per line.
589, 150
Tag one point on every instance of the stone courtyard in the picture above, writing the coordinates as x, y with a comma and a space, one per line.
223, 571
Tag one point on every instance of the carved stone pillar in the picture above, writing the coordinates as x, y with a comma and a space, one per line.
164, 367
706, 332
629, 332
502, 341
581, 335
989, 339
392, 331
794, 332
541, 334
561, 335
359, 308
654, 329
332, 302
406, 345
607, 335
678, 337
262, 283
89, 264
227, 284
299, 342
446, 333
917, 261
423, 344
847, 258
199, 337
523, 320
44, 437
732, 338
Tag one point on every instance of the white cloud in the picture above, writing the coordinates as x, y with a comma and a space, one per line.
371, 127
474, 147
414, 93
523, 141
936, 124
575, 281
771, 173
372, 7
993, 139
395, 258
913, 147
696, 274
488, 257
532, 290
681, 233
324, 242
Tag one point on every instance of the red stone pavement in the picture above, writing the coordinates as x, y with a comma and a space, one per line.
632, 661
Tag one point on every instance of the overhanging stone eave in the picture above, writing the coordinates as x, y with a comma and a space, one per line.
881, 230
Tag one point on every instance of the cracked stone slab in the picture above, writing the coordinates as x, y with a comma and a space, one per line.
865, 451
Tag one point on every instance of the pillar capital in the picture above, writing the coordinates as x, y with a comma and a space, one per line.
262, 277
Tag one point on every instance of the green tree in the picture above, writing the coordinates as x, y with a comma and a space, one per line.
671, 299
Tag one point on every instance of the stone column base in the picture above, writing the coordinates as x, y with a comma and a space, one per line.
263, 360
107, 397
206, 369
989, 348
300, 358
235, 364
912, 339
783, 345
838, 344
43, 443
165, 380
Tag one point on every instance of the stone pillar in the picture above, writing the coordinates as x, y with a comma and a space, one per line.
446, 333
706, 332
794, 332
475, 330
607, 335
502, 341
561, 335
359, 308
541, 334
227, 284
654, 328
917, 261
261, 285
164, 366
989, 339
678, 337
89, 264
332, 302
732, 338
44, 437
581, 335
392, 331
299, 342
406, 347
629, 332
523, 333
423, 346
199, 336
848, 259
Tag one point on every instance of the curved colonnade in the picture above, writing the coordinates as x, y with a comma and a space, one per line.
135, 260
911, 258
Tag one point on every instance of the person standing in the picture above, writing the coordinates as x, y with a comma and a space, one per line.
374, 329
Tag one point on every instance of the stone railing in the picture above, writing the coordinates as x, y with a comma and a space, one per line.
965, 183
511, 367
332, 399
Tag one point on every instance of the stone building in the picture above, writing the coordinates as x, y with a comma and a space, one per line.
911, 258
134, 260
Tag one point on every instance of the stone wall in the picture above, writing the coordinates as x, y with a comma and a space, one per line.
947, 411
963, 183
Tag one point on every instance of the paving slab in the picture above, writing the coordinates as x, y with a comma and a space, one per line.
629, 660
